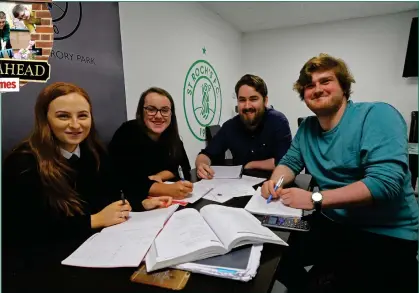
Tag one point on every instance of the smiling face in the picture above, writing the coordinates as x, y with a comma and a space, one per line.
251, 105
69, 118
157, 114
324, 95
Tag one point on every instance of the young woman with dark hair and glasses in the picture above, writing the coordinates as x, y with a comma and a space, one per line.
147, 151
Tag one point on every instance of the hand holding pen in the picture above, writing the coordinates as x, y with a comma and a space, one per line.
272, 193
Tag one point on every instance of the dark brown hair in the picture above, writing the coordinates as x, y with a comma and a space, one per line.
53, 167
325, 62
170, 136
255, 82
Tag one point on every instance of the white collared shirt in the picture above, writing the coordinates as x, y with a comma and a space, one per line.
68, 155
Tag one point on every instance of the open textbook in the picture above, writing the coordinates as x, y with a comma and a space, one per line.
190, 235
122, 245
258, 205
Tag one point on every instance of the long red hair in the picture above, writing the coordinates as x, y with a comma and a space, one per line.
53, 167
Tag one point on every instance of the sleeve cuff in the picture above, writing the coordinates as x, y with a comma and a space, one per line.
374, 188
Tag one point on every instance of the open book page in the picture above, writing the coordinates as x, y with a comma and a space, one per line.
227, 172
186, 237
123, 245
258, 205
236, 227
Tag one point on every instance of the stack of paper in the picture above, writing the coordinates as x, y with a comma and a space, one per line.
240, 264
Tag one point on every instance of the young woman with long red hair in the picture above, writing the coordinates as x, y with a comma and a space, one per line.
57, 184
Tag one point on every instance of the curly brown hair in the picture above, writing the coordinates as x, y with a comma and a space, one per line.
325, 62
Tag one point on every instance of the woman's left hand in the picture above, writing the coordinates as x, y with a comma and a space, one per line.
156, 178
157, 202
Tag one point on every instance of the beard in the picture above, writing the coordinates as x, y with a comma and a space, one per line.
252, 122
325, 106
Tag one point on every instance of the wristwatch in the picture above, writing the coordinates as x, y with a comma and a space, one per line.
317, 199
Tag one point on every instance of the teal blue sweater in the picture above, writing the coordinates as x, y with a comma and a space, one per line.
370, 145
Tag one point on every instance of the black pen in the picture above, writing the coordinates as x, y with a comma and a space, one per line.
122, 198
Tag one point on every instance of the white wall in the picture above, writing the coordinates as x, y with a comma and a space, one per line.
374, 48
161, 40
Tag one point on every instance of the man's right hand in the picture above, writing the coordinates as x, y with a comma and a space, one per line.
204, 171
268, 188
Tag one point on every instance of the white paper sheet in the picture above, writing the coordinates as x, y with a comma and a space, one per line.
227, 172
123, 245
258, 205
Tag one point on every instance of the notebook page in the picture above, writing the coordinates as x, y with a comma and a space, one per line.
142, 220
257, 205
226, 189
200, 189
123, 245
110, 250
252, 180
227, 172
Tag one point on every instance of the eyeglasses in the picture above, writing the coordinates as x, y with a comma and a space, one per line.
152, 111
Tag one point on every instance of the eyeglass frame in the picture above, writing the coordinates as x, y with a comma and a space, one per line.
146, 108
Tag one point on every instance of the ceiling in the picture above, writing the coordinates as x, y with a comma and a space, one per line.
255, 16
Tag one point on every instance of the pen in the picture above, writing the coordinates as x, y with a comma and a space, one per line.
122, 197
280, 180
181, 173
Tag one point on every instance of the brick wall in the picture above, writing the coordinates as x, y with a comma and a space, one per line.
44, 35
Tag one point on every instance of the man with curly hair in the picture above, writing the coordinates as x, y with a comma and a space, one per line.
364, 231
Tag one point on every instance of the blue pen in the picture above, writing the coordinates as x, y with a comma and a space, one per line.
181, 173
278, 184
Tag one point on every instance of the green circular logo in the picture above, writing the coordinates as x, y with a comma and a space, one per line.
202, 98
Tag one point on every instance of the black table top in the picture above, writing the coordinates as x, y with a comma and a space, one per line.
73, 279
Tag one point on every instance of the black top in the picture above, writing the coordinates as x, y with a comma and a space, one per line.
270, 139
135, 156
35, 235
